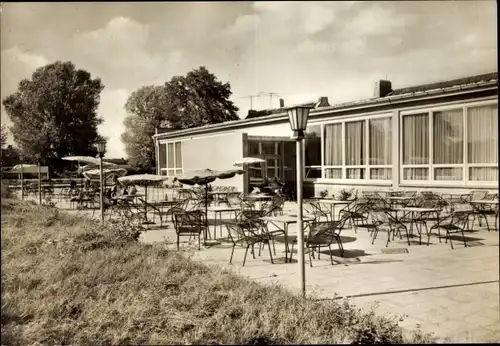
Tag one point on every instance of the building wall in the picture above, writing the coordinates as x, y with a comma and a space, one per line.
214, 152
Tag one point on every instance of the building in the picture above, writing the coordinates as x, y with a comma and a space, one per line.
441, 136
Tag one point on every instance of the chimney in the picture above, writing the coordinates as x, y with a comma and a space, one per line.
282, 103
382, 88
322, 102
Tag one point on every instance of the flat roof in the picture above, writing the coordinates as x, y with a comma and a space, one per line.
448, 88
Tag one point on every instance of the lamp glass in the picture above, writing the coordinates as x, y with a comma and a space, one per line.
297, 117
101, 147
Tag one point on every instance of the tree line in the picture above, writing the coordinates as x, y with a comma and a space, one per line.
55, 113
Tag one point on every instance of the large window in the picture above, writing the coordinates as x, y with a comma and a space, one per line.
313, 151
482, 143
450, 145
358, 150
170, 157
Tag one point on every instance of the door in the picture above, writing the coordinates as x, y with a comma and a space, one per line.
273, 165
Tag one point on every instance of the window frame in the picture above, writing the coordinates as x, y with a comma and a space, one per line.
431, 166
367, 167
172, 171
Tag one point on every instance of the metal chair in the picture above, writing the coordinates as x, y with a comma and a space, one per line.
242, 234
457, 222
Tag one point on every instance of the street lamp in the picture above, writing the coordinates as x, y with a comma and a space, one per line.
21, 158
101, 148
298, 122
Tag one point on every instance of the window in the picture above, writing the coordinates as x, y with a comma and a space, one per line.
448, 155
170, 157
453, 145
333, 151
380, 146
355, 150
482, 142
313, 152
416, 147
358, 150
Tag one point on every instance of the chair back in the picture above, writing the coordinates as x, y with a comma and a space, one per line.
477, 195
236, 232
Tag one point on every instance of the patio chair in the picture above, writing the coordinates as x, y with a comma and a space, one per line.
319, 212
396, 226
481, 211
243, 234
358, 212
189, 224
457, 222
233, 199
379, 222
323, 234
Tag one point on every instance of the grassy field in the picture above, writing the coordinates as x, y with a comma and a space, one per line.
68, 280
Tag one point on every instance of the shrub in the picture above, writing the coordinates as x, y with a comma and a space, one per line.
6, 192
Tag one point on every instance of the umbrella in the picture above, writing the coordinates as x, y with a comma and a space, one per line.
120, 172
247, 161
143, 180
87, 159
205, 177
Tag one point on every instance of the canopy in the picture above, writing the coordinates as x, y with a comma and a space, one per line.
142, 179
86, 159
204, 177
120, 172
248, 160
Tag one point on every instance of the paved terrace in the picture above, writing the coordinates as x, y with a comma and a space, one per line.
452, 293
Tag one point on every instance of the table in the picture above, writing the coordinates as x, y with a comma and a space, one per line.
182, 192
332, 204
415, 210
220, 210
401, 199
259, 197
133, 198
285, 220
217, 195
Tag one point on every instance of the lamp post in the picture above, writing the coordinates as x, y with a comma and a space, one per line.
298, 123
21, 158
101, 148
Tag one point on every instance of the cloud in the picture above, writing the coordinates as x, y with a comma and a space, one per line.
111, 109
121, 49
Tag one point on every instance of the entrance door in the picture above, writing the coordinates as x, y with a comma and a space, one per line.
273, 166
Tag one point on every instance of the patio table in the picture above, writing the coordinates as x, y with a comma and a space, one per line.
285, 220
182, 192
403, 200
332, 204
217, 195
414, 211
220, 210
259, 197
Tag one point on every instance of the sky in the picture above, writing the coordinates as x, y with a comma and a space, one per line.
298, 51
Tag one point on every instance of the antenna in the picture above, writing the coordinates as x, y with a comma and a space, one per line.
270, 97
251, 99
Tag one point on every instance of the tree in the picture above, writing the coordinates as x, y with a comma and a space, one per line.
193, 100
55, 113
3, 134
147, 107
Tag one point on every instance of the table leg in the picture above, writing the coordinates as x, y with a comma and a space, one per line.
286, 243
215, 225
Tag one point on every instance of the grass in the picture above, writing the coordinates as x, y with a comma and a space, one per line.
69, 280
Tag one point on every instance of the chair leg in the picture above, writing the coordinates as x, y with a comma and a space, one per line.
245, 258
374, 236
310, 260
331, 256
448, 236
253, 251
199, 241
232, 252
291, 252
178, 242
270, 252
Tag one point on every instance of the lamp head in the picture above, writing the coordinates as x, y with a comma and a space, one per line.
101, 147
297, 116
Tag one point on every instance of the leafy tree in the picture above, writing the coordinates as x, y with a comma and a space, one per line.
55, 113
147, 108
3, 134
193, 100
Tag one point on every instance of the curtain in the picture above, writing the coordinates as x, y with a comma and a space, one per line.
162, 155
380, 141
333, 145
416, 145
448, 143
170, 157
355, 143
482, 146
178, 157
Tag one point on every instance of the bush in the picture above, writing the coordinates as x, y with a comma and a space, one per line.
6, 192
70, 280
